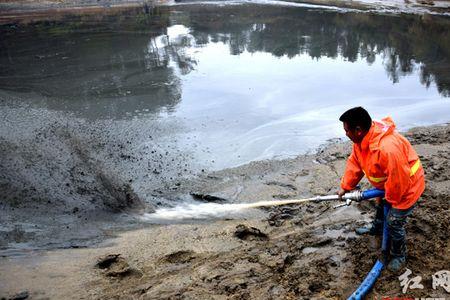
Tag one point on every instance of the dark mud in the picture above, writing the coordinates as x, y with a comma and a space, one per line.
298, 252
310, 251
67, 182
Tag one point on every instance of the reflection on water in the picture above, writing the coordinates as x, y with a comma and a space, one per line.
105, 68
249, 81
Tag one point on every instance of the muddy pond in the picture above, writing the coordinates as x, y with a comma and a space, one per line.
140, 97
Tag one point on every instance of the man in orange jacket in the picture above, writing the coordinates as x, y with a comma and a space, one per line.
390, 163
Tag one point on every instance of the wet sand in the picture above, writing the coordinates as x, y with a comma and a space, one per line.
307, 251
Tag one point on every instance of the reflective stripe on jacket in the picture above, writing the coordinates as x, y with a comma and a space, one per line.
389, 162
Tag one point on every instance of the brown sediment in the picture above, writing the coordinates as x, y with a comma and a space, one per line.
306, 251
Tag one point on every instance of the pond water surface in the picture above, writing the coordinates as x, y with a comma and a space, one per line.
246, 82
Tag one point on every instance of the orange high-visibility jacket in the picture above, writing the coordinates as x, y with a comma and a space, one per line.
389, 162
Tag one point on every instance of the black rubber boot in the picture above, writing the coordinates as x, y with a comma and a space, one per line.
398, 255
376, 227
372, 229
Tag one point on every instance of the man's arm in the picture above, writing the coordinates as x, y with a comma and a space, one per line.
352, 175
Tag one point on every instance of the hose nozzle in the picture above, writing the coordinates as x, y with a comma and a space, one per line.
358, 195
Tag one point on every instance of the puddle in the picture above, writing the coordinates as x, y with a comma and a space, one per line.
308, 250
336, 233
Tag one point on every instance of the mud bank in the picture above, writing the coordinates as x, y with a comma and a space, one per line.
66, 182
295, 252
33, 10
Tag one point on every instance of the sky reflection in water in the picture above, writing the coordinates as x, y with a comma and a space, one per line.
254, 106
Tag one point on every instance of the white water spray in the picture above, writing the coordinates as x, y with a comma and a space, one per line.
198, 211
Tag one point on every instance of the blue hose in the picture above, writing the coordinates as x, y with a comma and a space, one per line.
368, 282
375, 272
372, 193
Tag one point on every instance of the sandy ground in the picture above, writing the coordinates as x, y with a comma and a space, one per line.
306, 251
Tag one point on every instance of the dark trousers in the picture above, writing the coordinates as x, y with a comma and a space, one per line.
396, 220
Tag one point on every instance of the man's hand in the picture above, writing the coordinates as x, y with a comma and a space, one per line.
341, 193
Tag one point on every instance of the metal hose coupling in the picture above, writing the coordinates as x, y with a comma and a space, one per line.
358, 195
355, 195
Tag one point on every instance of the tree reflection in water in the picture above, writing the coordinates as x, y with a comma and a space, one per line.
115, 64
403, 41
